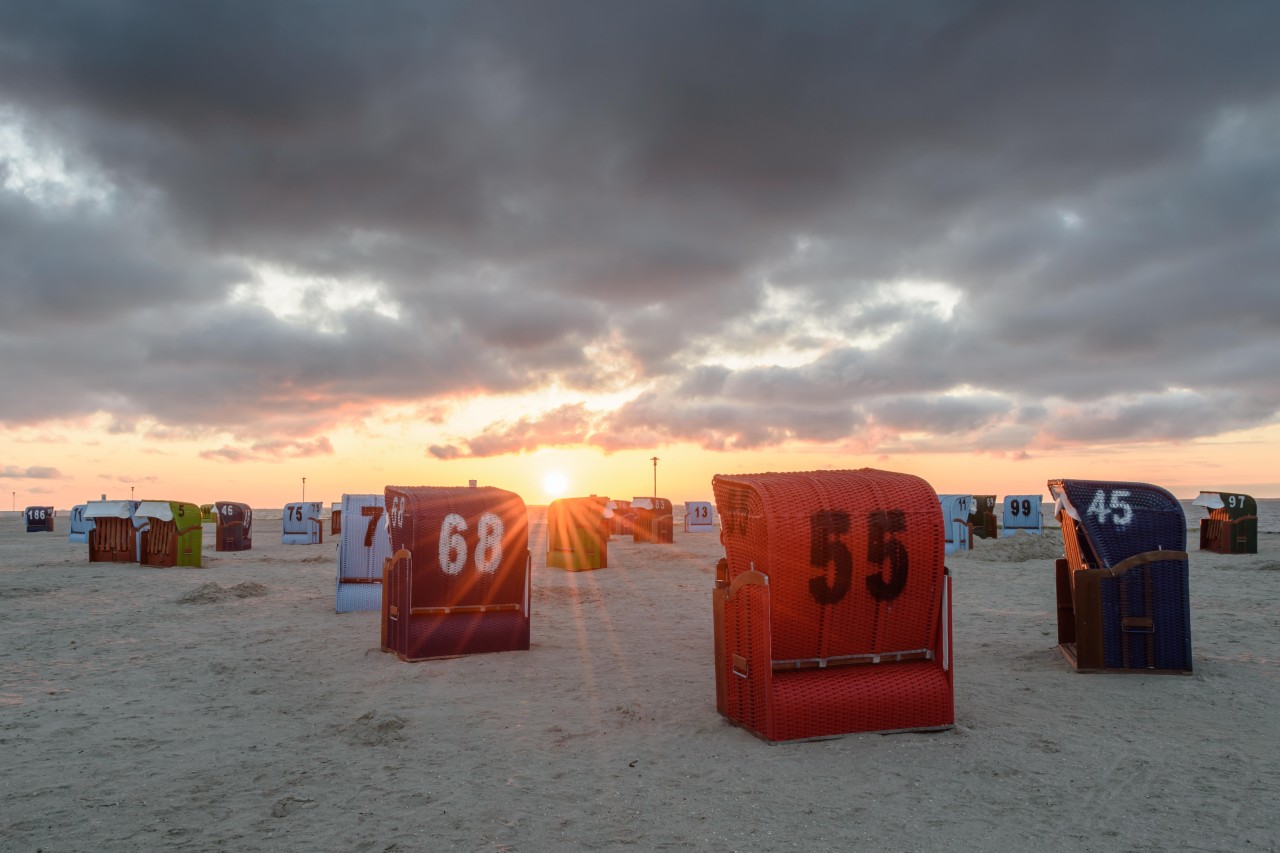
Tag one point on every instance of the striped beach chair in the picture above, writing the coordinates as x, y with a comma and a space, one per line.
1232, 524
363, 546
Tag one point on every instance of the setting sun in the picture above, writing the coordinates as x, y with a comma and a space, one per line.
555, 484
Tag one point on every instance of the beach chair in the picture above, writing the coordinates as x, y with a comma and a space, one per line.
363, 546
457, 581
301, 524
955, 521
832, 607
698, 517
1232, 524
171, 534
39, 519
235, 526
623, 517
114, 537
982, 518
1021, 513
1123, 587
653, 522
335, 518
208, 514
78, 526
577, 534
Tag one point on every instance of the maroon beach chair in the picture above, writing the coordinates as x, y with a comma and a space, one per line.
457, 582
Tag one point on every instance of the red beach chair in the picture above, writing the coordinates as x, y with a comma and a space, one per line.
832, 609
654, 521
457, 582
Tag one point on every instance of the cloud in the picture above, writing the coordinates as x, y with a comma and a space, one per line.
566, 425
31, 472
273, 450
858, 225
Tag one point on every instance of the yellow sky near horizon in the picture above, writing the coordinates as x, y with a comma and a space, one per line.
90, 465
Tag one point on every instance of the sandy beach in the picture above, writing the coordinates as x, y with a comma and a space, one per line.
229, 707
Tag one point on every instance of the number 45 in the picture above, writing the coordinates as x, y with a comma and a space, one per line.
1117, 510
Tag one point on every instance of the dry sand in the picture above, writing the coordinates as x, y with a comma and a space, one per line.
230, 708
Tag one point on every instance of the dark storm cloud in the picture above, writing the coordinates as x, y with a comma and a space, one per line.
595, 194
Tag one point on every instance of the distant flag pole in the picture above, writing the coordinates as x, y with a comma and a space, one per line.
655, 476
304, 489
131, 493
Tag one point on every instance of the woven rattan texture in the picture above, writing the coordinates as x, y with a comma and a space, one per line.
1120, 520
854, 561
234, 531
578, 534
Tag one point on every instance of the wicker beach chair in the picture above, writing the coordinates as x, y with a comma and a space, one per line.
39, 519
335, 518
577, 534
114, 537
1232, 524
623, 517
955, 521
235, 526
78, 526
982, 518
171, 534
1122, 588
1021, 514
653, 521
832, 608
457, 581
302, 523
363, 546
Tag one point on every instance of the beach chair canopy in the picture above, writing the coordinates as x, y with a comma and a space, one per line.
699, 517
363, 547
578, 533
458, 579
1232, 524
1021, 513
834, 604
1123, 591
110, 509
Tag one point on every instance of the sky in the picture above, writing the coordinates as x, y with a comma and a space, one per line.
416, 243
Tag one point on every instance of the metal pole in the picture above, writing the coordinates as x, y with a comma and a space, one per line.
131, 493
304, 489
655, 476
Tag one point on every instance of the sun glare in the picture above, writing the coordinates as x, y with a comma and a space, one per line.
555, 484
